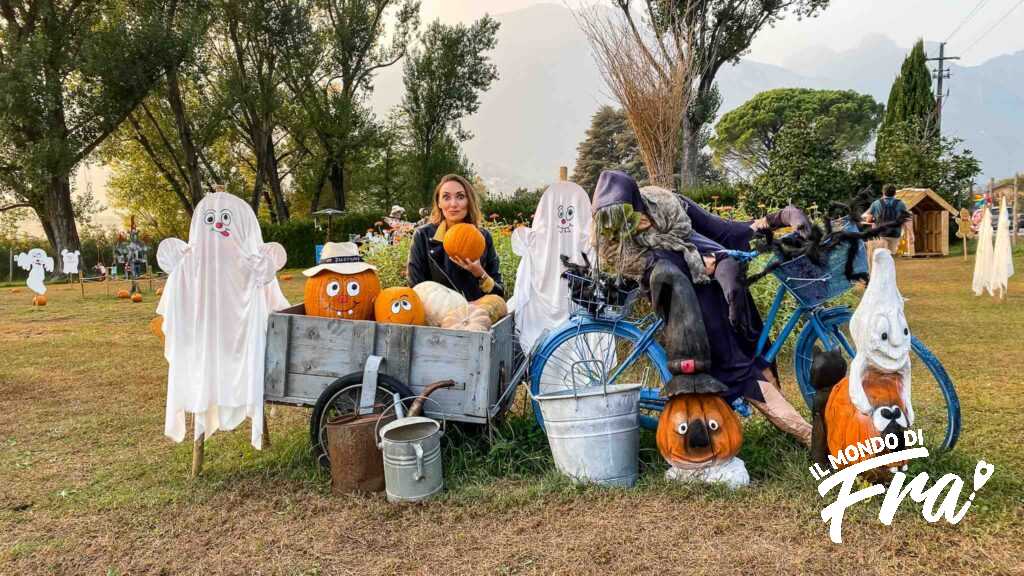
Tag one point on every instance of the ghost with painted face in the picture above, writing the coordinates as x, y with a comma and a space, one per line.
220, 291
881, 336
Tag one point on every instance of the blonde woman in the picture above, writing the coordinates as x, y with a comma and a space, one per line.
454, 202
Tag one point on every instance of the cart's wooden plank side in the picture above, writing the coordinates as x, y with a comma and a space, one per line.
306, 353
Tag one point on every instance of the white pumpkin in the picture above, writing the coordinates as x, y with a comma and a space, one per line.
438, 301
471, 317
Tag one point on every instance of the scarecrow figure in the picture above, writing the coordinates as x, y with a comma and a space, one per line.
220, 291
678, 249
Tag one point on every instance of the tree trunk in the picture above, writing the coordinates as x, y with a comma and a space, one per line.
276, 190
337, 179
690, 157
321, 177
195, 181
58, 217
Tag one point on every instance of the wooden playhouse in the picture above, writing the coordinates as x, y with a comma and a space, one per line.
931, 215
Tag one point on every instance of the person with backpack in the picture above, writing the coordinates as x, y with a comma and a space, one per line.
888, 209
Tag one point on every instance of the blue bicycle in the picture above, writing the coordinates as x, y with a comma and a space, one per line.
605, 341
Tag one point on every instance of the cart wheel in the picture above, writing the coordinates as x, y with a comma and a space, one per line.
342, 397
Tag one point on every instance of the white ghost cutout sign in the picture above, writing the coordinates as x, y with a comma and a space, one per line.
880, 334
37, 263
220, 291
69, 261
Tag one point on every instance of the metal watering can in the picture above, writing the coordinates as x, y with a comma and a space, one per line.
411, 447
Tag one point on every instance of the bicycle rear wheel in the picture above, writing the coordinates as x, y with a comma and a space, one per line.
586, 352
933, 395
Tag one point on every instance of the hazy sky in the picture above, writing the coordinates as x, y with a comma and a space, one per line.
842, 25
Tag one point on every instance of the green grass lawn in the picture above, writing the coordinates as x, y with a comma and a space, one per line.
90, 485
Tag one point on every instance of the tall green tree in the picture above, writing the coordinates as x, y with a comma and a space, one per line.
337, 50
250, 39
609, 145
746, 137
444, 77
70, 73
915, 157
721, 32
910, 98
805, 168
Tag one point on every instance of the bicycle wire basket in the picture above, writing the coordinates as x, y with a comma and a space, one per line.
813, 284
600, 299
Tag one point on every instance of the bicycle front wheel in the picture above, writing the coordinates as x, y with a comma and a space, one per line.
933, 396
586, 352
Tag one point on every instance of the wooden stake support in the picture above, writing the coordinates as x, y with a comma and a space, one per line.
563, 173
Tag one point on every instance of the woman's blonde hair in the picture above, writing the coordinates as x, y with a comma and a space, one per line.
473, 214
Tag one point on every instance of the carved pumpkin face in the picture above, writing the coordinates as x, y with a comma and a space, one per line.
342, 296
698, 430
399, 306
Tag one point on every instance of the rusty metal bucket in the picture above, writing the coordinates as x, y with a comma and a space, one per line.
356, 461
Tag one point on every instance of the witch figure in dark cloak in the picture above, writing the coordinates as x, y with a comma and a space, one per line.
675, 248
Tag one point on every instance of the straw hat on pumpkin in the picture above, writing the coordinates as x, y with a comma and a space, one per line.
340, 257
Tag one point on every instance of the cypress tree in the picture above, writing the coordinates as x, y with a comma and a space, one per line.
910, 98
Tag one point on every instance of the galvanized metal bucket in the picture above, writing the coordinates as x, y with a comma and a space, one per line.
412, 459
594, 432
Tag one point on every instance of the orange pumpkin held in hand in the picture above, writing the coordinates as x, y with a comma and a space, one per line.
464, 241
697, 431
399, 305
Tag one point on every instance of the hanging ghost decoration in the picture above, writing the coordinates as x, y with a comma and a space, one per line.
220, 291
37, 263
69, 261
882, 338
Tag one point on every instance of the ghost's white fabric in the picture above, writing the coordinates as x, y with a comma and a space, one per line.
221, 289
1002, 254
561, 225
37, 263
880, 334
984, 256
69, 261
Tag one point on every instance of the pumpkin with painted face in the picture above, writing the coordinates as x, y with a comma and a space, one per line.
342, 296
399, 305
697, 431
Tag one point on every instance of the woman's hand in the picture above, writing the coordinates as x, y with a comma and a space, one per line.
471, 266
759, 224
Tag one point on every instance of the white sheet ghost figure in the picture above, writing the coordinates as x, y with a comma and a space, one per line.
984, 255
561, 225
222, 287
37, 263
881, 335
69, 261
1002, 254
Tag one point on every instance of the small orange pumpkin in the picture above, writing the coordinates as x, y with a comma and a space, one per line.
343, 296
39, 300
698, 430
845, 424
123, 294
399, 305
464, 241
15, 290
136, 297
495, 306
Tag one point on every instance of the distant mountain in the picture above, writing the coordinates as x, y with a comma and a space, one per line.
532, 119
